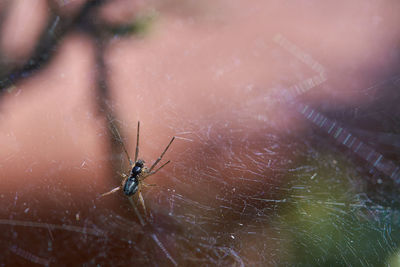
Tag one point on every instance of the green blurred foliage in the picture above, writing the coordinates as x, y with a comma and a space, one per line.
140, 25
328, 221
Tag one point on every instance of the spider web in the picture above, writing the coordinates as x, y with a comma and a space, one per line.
239, 194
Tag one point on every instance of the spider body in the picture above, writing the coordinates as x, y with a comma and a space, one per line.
131, 186
133, 183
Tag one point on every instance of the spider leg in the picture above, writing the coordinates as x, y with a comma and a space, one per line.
119, 138
142, 202
111, 192
161, 156
123, 175
142, 222
154, 172
137, 141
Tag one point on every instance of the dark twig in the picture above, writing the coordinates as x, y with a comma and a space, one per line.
51, 36
104, 107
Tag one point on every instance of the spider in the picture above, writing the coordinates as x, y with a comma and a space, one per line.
132, 183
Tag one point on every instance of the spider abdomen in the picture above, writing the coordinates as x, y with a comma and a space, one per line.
131, 186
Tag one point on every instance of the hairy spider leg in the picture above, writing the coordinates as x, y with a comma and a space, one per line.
123, 175
111, 192
137, 142
115, 189
142, 202
154, 172
141, 199
136, 211
161, 156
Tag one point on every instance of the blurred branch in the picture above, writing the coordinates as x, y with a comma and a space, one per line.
51, 36
57, 28
103, 105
